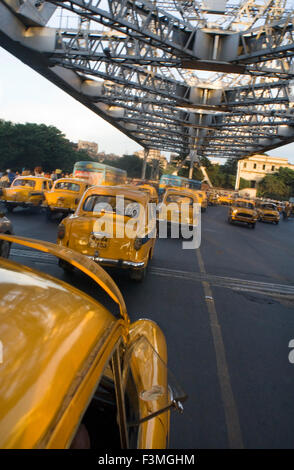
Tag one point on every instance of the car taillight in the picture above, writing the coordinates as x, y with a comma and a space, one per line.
61, 231
138, 243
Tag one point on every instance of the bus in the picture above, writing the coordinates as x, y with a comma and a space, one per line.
98, 174
177, 181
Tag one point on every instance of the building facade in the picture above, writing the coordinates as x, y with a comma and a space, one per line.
153, 154
256, 167
90, 147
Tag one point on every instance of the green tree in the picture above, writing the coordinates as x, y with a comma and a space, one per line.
279, 185
131, 164
30, 145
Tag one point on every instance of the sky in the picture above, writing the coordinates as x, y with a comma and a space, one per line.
26, 96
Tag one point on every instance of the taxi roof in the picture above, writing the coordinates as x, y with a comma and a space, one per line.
47, 330
184, 191
71, 180
137, 195
31, 177
240, 199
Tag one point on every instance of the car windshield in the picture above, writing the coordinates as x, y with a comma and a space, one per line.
118, 204
244, 204
67, 186
269, 207
179, 199
24, 182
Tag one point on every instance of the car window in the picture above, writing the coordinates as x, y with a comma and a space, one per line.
179, 199
101, 422
96, 203
269, 206
244, 204
24, 182
67, 186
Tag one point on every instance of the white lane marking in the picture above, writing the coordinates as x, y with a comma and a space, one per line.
228, 282
230, 407
266, 288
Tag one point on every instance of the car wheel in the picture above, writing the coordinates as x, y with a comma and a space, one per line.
252, 225
9, 208
277, 221
137, 274
5, 248
48, 214
67, 267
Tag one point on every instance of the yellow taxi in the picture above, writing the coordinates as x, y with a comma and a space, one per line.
203, 199
224, 199
268, 212
178, 208
112, 226
25, 191
73, 375
151, 190
147, 188
64, 196
212, 199
243, 210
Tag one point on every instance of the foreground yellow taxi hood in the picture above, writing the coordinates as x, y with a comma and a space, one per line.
48, 330
84, 264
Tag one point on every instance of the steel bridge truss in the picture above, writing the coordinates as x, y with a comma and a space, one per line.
162, 74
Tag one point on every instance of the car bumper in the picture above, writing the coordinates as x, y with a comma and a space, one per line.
65, 210
118, 262
269, 219
247, 220
22, 203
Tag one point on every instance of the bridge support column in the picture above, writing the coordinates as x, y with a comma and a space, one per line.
146, 153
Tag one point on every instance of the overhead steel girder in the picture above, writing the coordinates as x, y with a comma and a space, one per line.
16, 38
12, 32
132, 78
143, 21
32, 13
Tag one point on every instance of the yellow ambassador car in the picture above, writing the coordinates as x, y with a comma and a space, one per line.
244, 211
171, 209
25, 191
64, 196
147, 188
203, 199
225, 199
110, 228
268, 212
72, 374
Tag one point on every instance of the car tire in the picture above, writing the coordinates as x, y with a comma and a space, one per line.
67, 267
5, 248
48, 214
137, 274
277, 222
252, 225
9, 208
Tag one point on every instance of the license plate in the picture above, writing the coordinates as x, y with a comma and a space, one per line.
102, 242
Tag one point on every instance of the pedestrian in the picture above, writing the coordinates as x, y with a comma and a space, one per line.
11, 175
4, 180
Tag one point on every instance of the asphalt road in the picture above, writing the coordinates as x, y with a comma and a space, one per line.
227, 311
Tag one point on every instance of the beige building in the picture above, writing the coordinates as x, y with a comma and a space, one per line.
90, 147
153, 154
257, 167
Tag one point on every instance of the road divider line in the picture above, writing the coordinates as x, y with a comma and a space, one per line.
229, 403
281, 291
